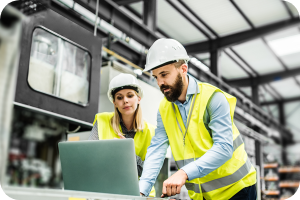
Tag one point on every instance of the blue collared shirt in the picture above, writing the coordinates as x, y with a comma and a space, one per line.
217, 121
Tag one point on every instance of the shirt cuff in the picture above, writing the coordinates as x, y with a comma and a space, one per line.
145, 188
191, 171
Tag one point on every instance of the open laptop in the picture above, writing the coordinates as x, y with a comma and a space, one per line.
105, 166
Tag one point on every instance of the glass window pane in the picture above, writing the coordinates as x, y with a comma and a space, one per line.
58, 67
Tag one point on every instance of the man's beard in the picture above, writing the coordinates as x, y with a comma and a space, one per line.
175, 90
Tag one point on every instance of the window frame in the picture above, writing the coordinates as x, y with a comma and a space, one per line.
73, 43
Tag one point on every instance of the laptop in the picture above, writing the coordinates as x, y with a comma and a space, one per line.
105, 166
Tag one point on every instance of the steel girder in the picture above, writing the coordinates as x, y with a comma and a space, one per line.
230, 40
266, 103
244, 82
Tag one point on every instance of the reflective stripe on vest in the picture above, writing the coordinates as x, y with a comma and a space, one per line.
221, 182
227, 180
192, 186
236, 143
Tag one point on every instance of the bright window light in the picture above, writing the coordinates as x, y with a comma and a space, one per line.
286, 46
199, 64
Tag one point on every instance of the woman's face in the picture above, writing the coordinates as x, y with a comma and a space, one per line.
126, 101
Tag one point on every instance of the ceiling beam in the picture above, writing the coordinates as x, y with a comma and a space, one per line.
149, 14
188, 18
243, 14
285, 4
265, 78
230, 40
279, 59
198, 18
126, 2
110, 12
266, 103
236, 62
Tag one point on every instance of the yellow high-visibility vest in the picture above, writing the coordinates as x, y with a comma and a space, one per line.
224, 182
141, 139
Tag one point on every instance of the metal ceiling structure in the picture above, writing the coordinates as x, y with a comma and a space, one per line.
232, 38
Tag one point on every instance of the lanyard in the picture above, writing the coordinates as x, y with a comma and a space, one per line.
189, 117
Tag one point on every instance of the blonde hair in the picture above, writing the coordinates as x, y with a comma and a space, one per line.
137, 124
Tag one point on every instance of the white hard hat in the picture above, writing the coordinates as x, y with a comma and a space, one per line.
123, 81
164, 51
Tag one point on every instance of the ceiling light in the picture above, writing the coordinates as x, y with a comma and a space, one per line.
286, 46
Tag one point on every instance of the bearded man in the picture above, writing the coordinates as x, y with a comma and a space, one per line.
196, 120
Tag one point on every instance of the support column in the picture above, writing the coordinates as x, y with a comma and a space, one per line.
281, 113
214, 68
255, 94
149, 17
283, 123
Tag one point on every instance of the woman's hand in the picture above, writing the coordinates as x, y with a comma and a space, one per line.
121, 136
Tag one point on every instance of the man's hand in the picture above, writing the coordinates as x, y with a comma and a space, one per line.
172, 185
142, 195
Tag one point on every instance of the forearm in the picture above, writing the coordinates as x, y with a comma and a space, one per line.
154, 160
210, 161
155, 156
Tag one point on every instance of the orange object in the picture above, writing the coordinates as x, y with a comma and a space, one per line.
272, 192
289, 169
76, 138
289, 184
272, 179
271, 165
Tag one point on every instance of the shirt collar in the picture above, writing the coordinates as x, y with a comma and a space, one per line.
192, 86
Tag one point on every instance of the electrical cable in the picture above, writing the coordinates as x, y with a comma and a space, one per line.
95, 27
74, 131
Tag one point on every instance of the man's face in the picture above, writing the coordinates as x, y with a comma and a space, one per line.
169, 79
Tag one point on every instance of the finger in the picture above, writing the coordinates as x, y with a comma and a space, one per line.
173, 190
169, 190
121, 136
164, 189
178, 189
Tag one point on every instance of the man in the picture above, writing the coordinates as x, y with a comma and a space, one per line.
196, 120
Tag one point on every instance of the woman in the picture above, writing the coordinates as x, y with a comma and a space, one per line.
126, 121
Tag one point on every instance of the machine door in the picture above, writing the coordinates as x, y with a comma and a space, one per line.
59, 67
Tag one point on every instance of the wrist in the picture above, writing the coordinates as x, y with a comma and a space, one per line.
184, 174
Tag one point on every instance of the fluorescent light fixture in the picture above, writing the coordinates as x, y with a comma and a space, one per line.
138, 71
286, 46
199, 64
